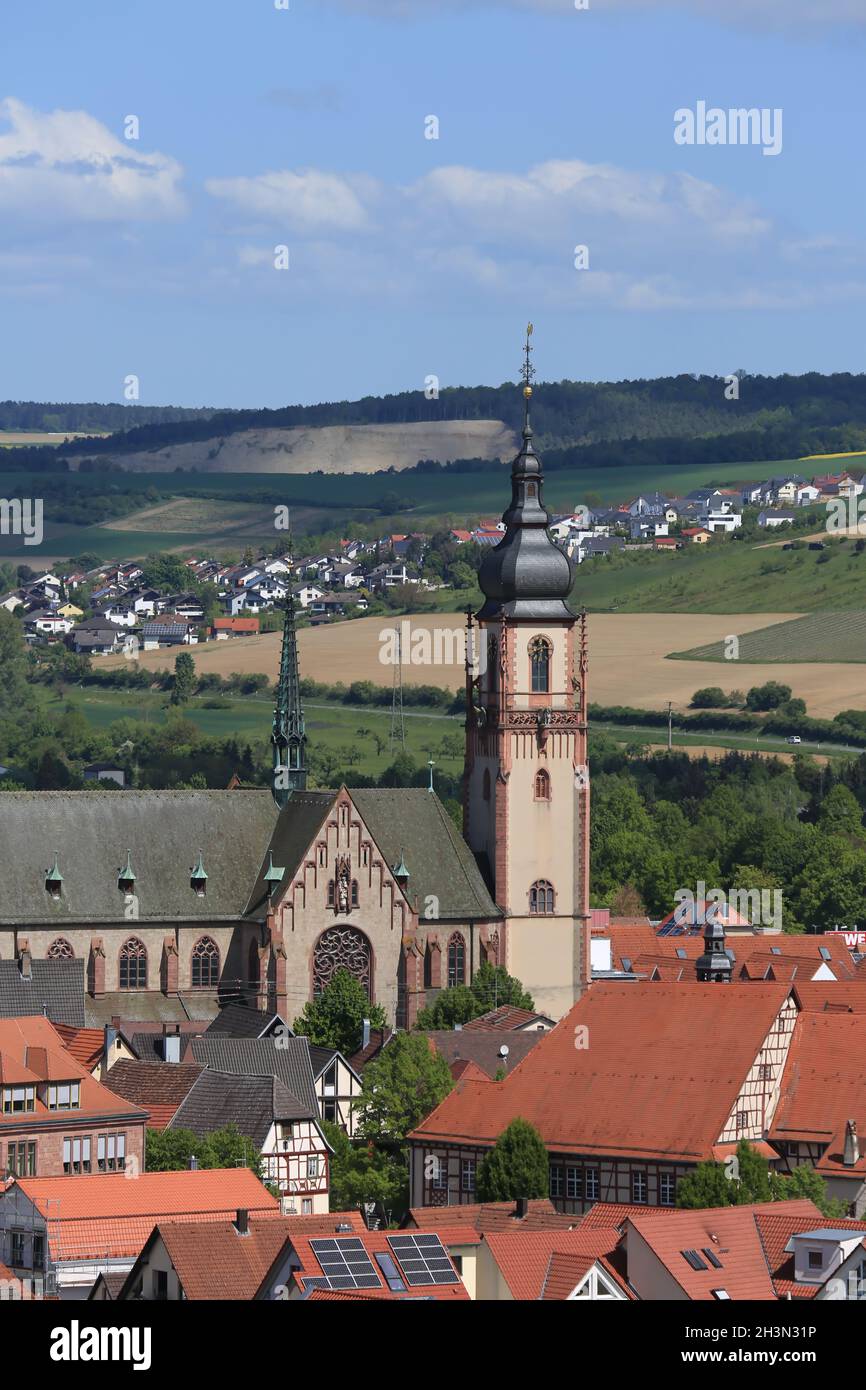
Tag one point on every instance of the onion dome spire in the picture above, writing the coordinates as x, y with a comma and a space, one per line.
526, 575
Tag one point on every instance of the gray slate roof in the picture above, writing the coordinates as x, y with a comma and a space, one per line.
55, 988
414, 821
294, 831
163, 830
250, 1102
482, 1047
239, 1021
261, 1057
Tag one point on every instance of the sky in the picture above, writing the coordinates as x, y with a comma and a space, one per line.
237, 202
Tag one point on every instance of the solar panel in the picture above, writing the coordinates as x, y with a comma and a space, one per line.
345, 1263
423, 1259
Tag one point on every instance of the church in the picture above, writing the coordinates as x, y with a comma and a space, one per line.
179, 901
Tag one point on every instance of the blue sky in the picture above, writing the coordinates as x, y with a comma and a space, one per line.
305, 128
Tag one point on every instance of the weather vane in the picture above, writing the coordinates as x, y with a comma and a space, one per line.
527, 371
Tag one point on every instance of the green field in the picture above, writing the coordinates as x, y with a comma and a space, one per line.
817, 637
326, 502
726, 576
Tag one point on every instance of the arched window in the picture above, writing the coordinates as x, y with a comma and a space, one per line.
542, 785
60, 950
539, 659
133, 964
341, 948
541, 896
205, 964
487, 784
456, 961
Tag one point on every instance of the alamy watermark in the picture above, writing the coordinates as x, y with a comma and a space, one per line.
431, 646
712, 125
762, 907
22, 516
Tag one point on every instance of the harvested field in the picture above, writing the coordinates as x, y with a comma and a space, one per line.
627, 651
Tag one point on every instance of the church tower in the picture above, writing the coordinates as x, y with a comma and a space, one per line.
288, 738
526, 806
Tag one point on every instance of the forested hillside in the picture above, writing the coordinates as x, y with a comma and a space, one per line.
566, 414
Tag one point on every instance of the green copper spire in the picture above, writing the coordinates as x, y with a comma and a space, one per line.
54, 875
127, 875
288, 737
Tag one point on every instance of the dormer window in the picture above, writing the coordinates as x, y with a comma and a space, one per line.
64, 1097
19, 1100
198, 877
54, 879
126, 877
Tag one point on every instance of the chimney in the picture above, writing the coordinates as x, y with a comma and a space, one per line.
365, 1041
242, 1221
193, 1164
25, 961
521, 1207
851, 1156
171, 1042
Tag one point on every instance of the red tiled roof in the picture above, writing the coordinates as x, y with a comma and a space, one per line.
483, 1217
730, 1233
661, 1073
374, 1241
111, 1215
325, 1224
616, 1214
463, 1068
523, 1257
829, 996
85, 1044
212, 1261
823, 1085
338, 1296
31, 1050
776, 1226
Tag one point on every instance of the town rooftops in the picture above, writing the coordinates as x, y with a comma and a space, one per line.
385, 1264
32, 1053
483, 1046
480, 1218
250, 1103
605, 1098
160, 1088
212, 1260
111, 1215
55, 988
248, 1057
824, 1087
524, 1257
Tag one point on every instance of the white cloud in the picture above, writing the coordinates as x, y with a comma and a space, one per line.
308, 200
68, 165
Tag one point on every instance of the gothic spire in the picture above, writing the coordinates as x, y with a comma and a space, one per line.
288, 737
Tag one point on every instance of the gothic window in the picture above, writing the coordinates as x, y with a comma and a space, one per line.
60, 950
456, 961
542, 785
331, 893
539, 659
541, 896
487, 784
341, 948
133, 964
205, 964
354, 892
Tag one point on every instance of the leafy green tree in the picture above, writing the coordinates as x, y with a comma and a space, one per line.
709, 697
516, 1166
335, 1018
805, 1182
184, 679
367, 1172
706, 1186
840, 813
451, 1006
407, 1080
491, 987
170, 1150
768, 696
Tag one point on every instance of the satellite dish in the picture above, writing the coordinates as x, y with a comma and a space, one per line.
503, 1051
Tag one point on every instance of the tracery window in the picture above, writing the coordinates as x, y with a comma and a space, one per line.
133, 964
205, 964
341, 948
456, 961
60, 950
541, 896
539, 660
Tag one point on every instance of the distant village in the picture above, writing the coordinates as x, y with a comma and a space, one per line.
121, 611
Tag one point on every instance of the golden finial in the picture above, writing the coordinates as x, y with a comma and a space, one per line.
527, 373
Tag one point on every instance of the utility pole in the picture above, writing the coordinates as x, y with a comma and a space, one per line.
398, 731
670, 726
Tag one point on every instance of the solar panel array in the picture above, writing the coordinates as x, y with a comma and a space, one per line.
423, 1259
345, 1263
